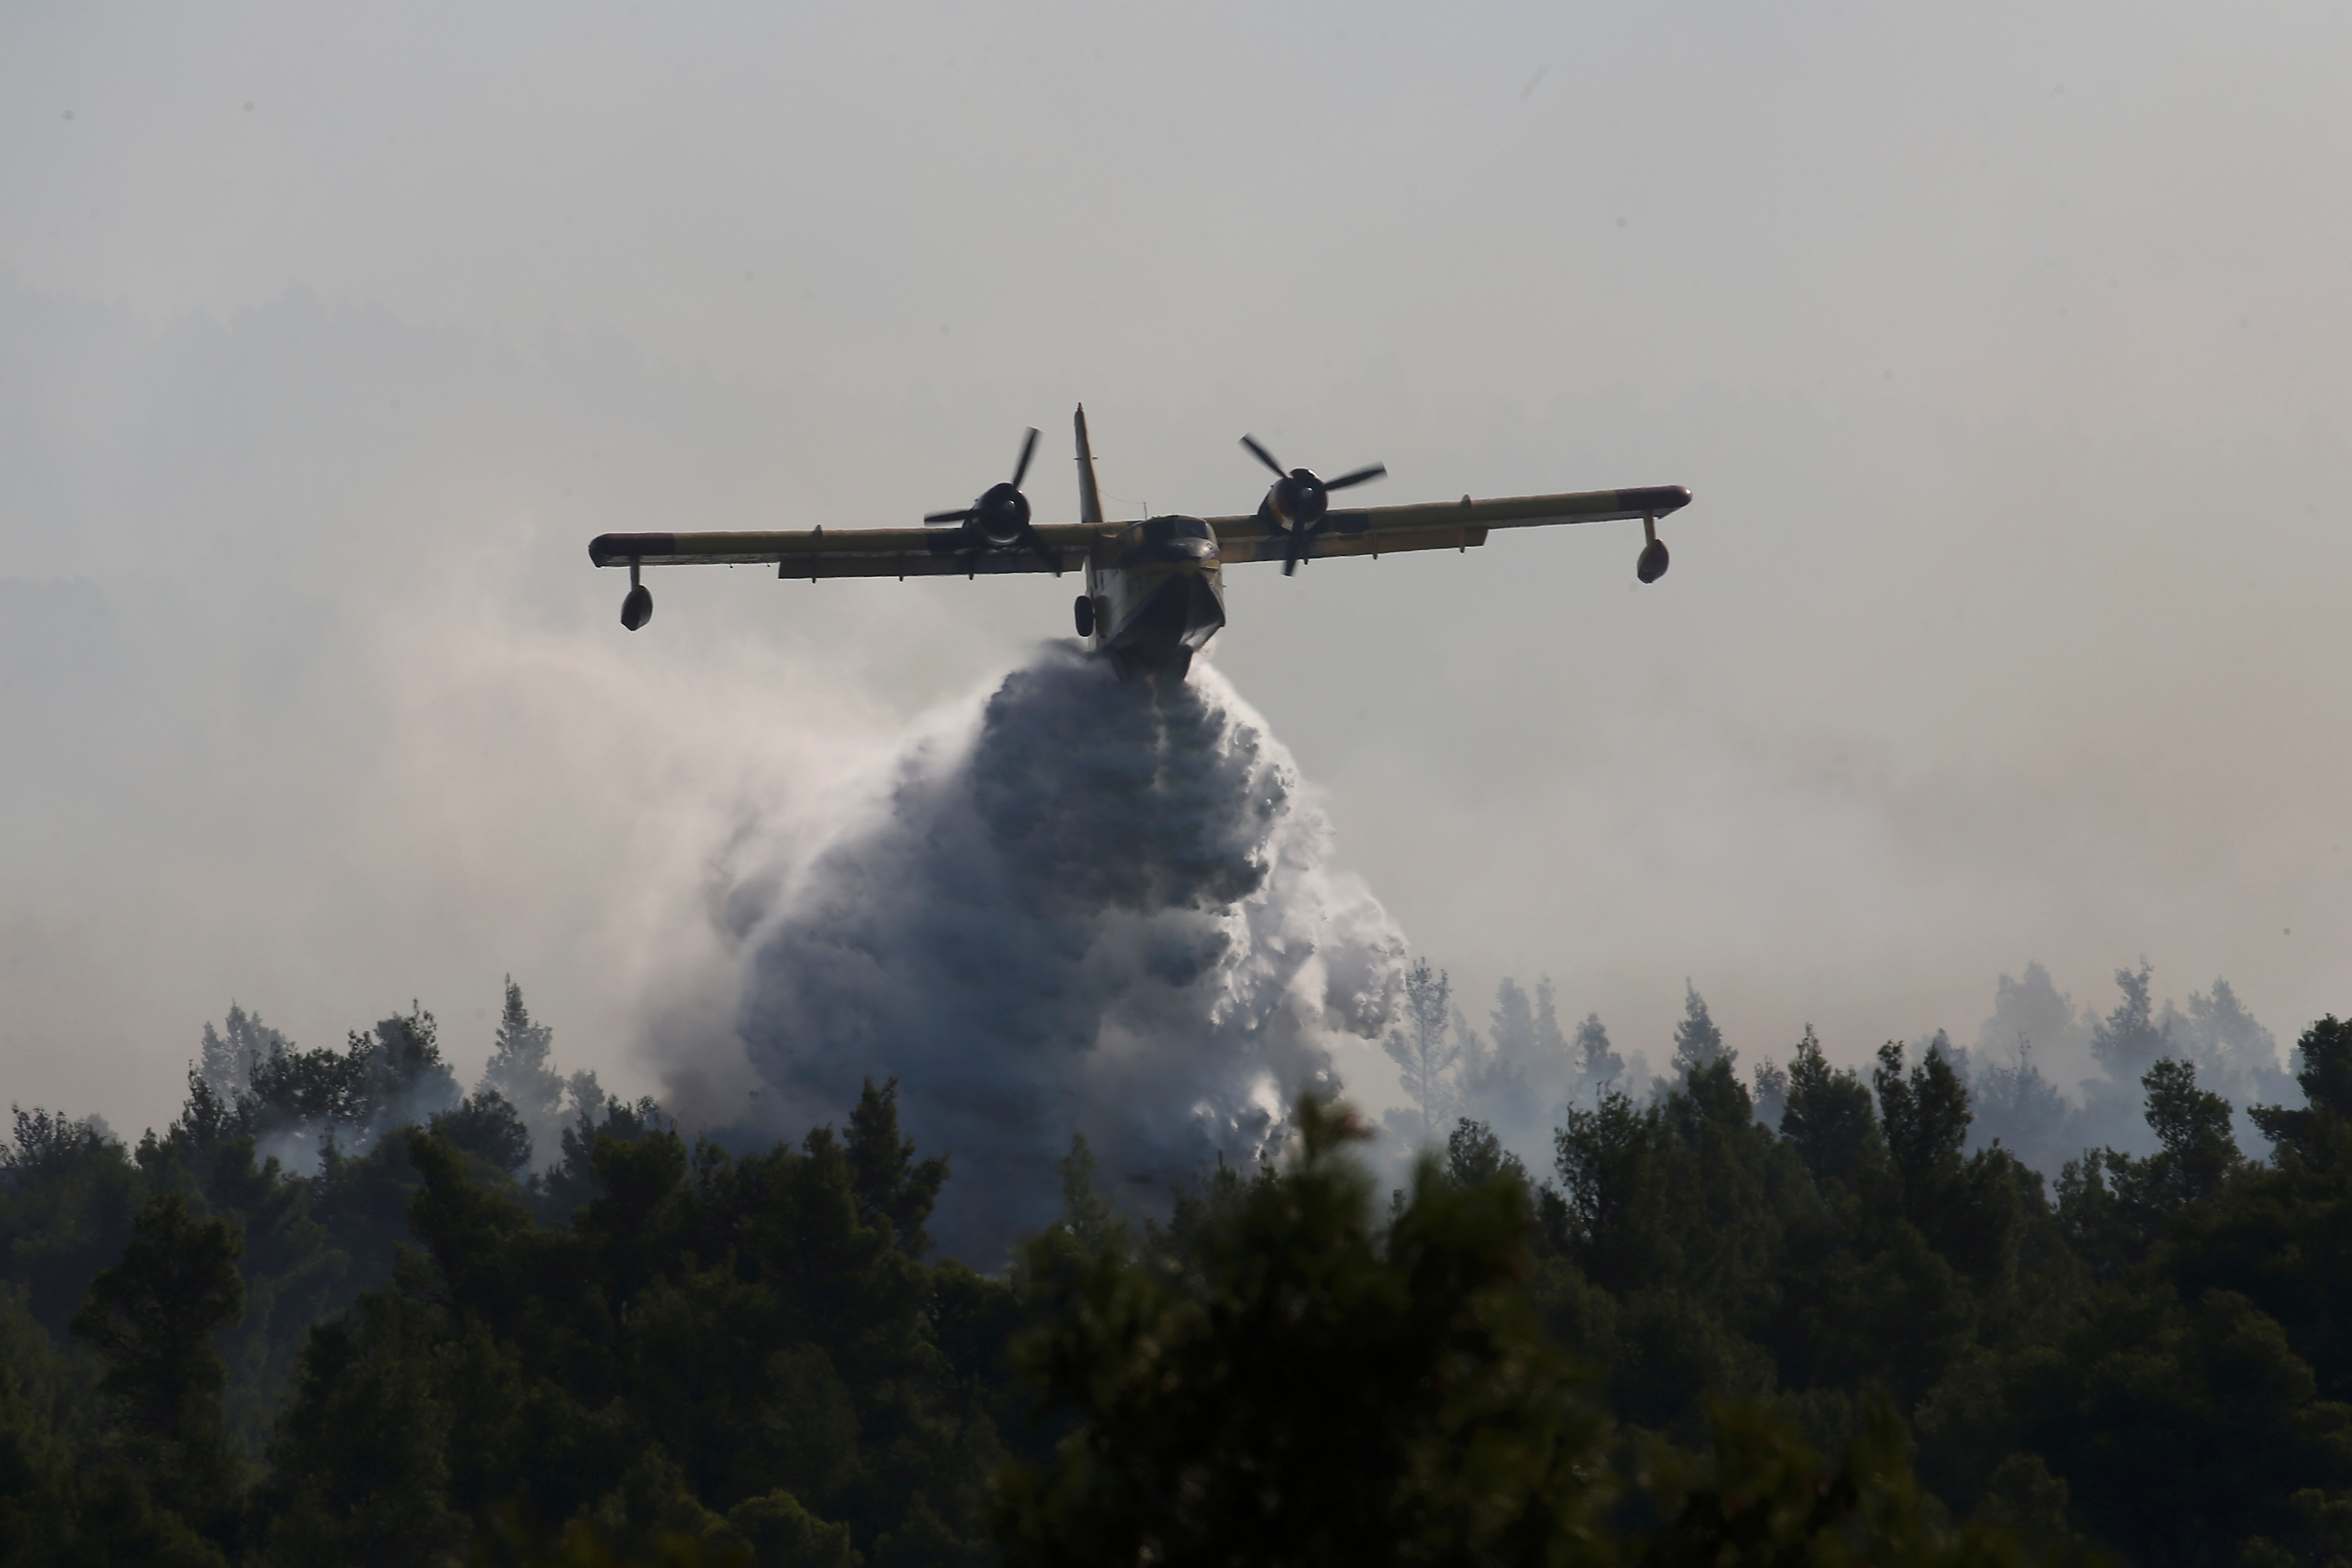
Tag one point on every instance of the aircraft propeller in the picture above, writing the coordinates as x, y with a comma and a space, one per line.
1299, 500
1001, 515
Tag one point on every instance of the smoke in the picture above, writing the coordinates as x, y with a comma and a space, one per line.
1090, 907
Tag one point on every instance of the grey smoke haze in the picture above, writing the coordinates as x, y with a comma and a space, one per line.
2006, 350
1089, 907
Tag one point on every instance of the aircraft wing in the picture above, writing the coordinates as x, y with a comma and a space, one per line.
1438, 525
855, 551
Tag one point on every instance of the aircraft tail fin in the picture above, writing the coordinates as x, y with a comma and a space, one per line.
1090, 511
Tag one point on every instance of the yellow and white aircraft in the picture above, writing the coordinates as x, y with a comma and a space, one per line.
1154, 590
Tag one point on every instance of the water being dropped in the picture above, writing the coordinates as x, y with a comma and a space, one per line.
1106, 908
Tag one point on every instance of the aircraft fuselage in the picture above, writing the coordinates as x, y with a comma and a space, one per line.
1158, 594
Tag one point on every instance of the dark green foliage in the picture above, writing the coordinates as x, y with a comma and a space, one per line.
2198, 1154
291, 1088
1763, 1496
893, 1187
293, 1273
1698, 1044
1673, 1213
391, 1075
2282, 1234
731, 1349
36, 1462
1965, 1206
1828, 1119
2181, 1429
361, 1200
659, 1352
1610, 1179
151, 1319
1297, 1387
487, 1126
1866, 1253
2116, 1209
1087, 1217
1474, 1155
67, 1193
2325, 1079
1926, 1119
1287, 1384
571, 1181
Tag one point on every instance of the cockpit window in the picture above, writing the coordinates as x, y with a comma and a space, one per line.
1164, 529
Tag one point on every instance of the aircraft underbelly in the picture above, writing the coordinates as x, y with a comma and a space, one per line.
1161, 614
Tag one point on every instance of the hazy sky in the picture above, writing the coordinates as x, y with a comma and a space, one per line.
2007, 348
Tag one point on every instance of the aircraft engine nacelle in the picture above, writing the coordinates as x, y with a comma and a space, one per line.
1001, 516
1298, 499
999, 519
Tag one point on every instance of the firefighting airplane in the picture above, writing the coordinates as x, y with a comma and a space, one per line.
1155, 594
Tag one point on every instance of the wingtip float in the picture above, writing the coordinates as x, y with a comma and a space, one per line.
1154, 588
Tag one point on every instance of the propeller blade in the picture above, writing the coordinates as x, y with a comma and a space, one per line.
964, 516
1028, 450
1360, 476
1292, 556
1266, 458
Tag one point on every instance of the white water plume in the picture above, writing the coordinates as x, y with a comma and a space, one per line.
1099, 907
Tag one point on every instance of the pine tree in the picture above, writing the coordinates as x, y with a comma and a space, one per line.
1966, 1205
1496, 1078
405, 1080
2229, 1037
1549, 1039
1698, 1044
1926, 1115
1512, 1024
891, 1184
2196, 1154
1474, 1154
1311, 1387
1827, 1117
1598, 1065
2023, 1110
2128, 1041
151, 1319
522, 1072
231, 1053
2036, 1008
486, 1126
1425, 1054
1087, 1214
2317, 1128
1773, 1090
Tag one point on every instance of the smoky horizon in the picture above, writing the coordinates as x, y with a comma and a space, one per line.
2005, 356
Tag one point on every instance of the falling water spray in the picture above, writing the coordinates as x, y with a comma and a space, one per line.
1102, 908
